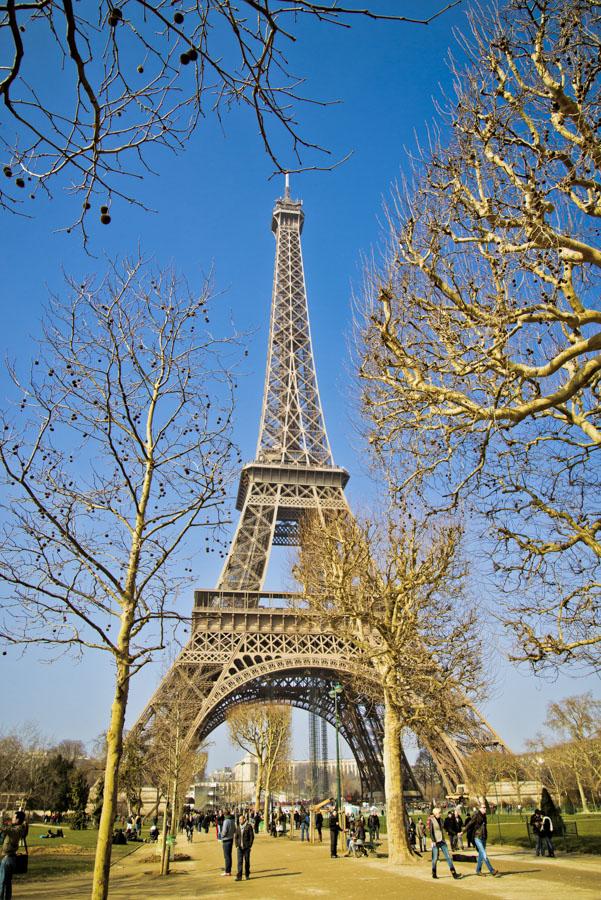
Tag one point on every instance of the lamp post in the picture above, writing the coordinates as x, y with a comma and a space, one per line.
334, 694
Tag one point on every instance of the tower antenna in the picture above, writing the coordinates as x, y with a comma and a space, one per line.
287, 190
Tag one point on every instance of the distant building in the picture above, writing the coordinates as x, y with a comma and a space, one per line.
504, 792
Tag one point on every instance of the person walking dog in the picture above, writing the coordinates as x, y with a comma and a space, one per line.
244, 837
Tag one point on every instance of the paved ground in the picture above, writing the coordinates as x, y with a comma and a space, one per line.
284, 868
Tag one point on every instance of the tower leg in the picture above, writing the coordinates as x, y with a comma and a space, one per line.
246, 563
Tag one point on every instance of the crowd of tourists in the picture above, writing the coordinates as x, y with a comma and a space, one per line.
452, 832
455, 831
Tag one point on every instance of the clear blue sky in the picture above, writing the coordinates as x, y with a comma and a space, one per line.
213, 212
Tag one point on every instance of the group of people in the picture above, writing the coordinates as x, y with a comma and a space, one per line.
475, 830
241, 834
542, 829
239, 831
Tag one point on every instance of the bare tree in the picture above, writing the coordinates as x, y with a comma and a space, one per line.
169, 759
133, 770
578, 718
426, 772
119, 448
486, 769
547, 764
482, 769
23, 756
264, 731
140, 74
482, 334
395, 591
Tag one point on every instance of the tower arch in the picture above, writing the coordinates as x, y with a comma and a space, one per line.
247, 642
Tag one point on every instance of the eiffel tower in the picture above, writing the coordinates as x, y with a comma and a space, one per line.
251, 645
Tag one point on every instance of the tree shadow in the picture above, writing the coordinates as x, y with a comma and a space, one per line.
276, 875
504, 873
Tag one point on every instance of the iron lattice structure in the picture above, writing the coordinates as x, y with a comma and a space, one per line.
248, 645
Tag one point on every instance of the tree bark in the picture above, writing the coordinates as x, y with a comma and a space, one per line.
583, 802
258, 788
164, 834
266, 801
399, 850
114, 750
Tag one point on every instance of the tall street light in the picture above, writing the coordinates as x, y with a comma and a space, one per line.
334, 694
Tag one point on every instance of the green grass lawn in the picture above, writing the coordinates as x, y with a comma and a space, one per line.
513, 831
69, 855
509, 828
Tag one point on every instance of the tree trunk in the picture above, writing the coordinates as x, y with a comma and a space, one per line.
164, 834
399, 850
114, 750
585, 808
266, 802
259, 788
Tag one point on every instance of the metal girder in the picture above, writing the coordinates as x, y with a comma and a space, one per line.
244, 648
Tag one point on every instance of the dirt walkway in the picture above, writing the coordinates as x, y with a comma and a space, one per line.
285, 868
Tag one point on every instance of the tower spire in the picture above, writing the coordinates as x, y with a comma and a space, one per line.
293, 469
292, 426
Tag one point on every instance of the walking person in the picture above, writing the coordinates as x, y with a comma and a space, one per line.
477, 826
319, 825
371, 827
12, 836
439, 845
334, 832
244, 837
227, 841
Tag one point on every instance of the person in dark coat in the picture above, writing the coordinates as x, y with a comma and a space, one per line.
257, 821
334, 831
244, 837
450, 828
371, 826
477, 826
536, 824
318, 825
304, 826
